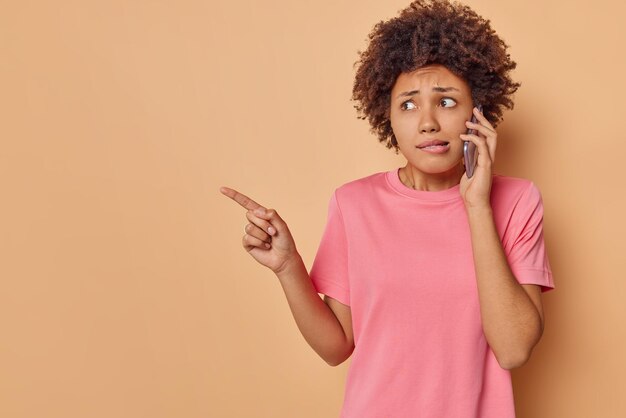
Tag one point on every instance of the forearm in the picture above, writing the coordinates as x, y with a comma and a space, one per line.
511, 322
316, 321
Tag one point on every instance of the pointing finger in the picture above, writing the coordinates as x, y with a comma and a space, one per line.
240, 198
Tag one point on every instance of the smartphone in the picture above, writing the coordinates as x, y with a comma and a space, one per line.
469, 149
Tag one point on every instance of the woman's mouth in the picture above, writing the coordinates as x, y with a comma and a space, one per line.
434, 147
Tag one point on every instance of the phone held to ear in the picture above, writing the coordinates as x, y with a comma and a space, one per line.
469, 149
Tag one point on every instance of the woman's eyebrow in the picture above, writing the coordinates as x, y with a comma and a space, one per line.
437, 89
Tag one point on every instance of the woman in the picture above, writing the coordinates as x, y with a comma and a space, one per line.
432, 280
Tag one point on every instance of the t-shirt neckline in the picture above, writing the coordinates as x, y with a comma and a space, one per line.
393, 179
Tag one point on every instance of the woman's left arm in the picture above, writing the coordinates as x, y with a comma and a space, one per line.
511, 313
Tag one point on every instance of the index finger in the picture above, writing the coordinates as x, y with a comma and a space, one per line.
240, 198
483, 119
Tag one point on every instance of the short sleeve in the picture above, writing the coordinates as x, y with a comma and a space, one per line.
528, 258
329, 272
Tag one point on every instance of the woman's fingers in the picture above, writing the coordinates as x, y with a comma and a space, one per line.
487, 130
259, 228
483, 123
480, 128
275, 222
240, 198
250, 242
484, 157
486, 146
267, 238
264, 224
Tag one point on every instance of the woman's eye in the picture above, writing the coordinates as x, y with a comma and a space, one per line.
406, 103
448, 100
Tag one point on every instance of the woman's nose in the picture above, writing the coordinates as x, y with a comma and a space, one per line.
428, 123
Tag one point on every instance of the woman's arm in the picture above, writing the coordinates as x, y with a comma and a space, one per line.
315, 319
511, 313
269, 241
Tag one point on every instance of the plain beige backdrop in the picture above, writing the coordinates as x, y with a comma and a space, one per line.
124, 288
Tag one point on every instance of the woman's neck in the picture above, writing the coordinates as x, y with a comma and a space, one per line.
417, 180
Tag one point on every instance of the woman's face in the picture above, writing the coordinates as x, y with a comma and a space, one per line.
431, 104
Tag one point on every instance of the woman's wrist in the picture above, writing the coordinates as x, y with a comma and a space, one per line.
291, 265
479, 210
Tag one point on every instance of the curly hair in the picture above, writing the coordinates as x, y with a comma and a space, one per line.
432, 32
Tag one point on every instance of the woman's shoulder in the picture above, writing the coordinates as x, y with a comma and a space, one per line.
362, 183
513, 189
509, 181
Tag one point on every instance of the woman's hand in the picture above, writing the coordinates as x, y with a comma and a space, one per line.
267, 237
476, 191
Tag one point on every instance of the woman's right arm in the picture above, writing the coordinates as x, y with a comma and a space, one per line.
319, 324
327, 327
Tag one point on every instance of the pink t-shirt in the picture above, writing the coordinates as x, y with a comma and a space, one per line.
402, 260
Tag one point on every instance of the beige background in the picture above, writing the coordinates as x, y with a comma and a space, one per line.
124, 288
